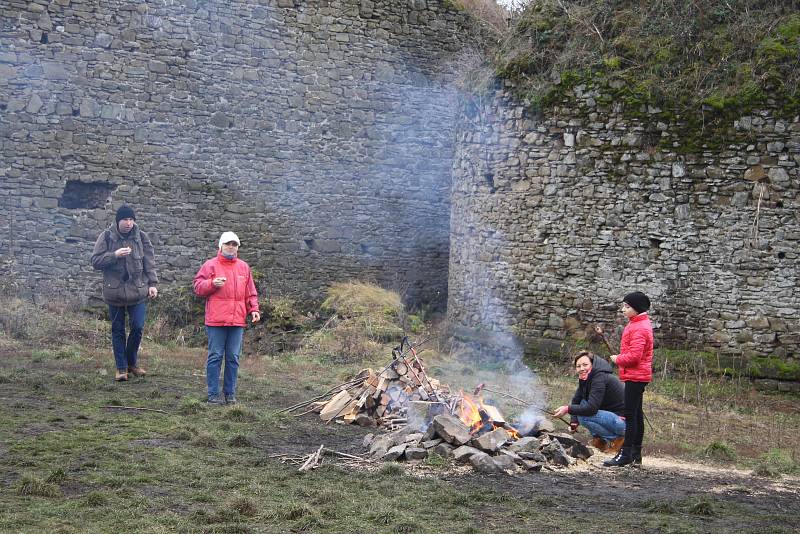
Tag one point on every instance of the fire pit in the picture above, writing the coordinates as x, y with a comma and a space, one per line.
424, 417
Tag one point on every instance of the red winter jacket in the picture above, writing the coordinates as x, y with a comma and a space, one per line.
230, 304
635, 358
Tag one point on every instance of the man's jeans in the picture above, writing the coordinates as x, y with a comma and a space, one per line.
126, 350
227, 341
607, 425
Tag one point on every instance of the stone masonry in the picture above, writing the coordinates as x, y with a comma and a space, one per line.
555, 218
320, 131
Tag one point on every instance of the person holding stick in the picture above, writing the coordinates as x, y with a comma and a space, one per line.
635, 362
598, 403
226, 283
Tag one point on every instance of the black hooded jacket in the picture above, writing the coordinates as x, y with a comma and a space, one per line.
601, 390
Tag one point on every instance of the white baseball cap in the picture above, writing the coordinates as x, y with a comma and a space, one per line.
227, 237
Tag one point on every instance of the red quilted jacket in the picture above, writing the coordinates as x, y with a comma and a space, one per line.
635, 358
230, 304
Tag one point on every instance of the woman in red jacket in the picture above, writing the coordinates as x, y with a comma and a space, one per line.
227, 285
635, 362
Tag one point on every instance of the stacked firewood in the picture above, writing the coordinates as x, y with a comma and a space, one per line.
379, 398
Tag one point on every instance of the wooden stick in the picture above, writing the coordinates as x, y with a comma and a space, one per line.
527, 403
345, 455
313, 460
135, 408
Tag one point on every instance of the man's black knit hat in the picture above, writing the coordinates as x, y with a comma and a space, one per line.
125, 212
638, 301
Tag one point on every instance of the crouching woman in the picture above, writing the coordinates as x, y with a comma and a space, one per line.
598, 403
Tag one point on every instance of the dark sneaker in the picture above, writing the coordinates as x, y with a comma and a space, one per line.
623, 458
230, 399
216, 400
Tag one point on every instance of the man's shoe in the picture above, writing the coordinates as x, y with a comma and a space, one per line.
599, 443
121, 376
636, 454
215, 400
615, 445
623, 458
137, 371
230, 399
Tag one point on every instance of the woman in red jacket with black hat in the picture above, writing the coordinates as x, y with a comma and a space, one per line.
635, 362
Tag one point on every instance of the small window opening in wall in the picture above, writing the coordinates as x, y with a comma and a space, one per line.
489, 177
44, 39
309, 243
655, 243
781, 255
779, 203
78, 194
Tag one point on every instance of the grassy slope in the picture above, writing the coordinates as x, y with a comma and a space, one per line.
726, 56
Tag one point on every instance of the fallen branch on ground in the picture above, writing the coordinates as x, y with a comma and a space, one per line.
135, 408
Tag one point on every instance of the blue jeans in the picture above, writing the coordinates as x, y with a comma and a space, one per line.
126, 350
223, 341
607, 425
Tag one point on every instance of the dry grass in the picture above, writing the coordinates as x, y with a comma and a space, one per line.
489, 12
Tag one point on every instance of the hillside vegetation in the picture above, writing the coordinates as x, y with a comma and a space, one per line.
709, 55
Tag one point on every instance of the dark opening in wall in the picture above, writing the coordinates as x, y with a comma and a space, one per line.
655, 242
489, 177
78, 194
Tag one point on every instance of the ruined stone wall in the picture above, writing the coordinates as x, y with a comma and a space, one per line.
319, 131
555, 218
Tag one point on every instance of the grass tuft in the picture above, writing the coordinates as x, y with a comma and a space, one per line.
719, 450
241, 414
245, 506
658, 506
31, 485
702, 507
95, 499
776, 462
191, 406
205, 440
56, 476
391, 470
240, 440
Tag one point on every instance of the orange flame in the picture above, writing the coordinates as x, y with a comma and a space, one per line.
473, 414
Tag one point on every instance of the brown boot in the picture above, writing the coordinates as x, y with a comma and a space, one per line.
599, 443
137, 371
121, 376
614, 446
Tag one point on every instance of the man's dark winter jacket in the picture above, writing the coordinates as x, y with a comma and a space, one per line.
126, 279
601, 390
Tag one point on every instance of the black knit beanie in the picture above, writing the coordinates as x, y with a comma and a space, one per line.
125, 212
638, 301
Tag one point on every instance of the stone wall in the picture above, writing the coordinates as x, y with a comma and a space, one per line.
319, 131
555, 218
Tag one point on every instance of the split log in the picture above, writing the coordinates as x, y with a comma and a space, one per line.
335, 406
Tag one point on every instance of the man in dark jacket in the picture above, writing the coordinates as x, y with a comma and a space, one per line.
598, 403
125, 255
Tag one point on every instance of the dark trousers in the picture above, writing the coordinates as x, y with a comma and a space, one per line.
126, 348
634, 415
